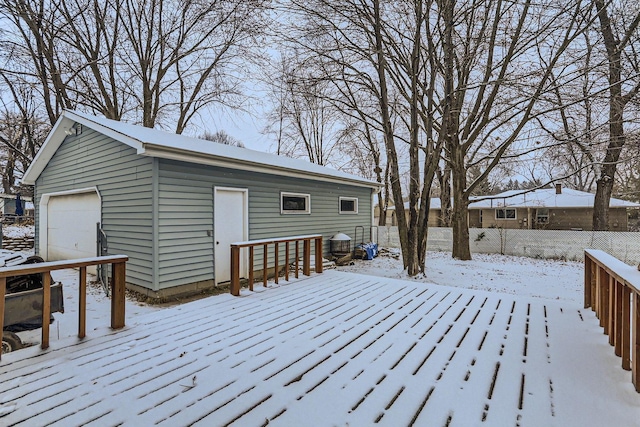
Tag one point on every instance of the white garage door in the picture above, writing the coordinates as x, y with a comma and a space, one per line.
71, 226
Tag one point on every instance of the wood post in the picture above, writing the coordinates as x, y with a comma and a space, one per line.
82, 306
626, 328
297, 259
251, 268
275, 262
235, 271
118, 274
588, 265
306, 257
264, 265
602, 283
618, 319
318, 251
46, 309
286, 261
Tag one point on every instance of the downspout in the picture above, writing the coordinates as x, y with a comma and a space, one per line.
155, 200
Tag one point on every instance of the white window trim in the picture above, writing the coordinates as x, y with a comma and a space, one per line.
290, 212
542, 219
354, 212
515, 214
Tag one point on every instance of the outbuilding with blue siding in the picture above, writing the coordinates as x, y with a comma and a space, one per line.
174, 204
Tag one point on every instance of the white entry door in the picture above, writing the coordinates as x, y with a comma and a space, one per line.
231, 225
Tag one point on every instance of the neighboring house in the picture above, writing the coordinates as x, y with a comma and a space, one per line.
174, 204
8, 205
549, 209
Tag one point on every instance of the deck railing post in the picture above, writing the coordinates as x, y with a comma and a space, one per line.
306, 257
251, 268
265, 257
46, 309
297, 259
626, 328
286, 261
618, 322
587, 280
118, 274
235, 270
82, 306
318, 251
275, 261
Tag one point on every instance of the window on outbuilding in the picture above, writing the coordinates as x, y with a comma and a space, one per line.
295, 203
505, 213
348, 205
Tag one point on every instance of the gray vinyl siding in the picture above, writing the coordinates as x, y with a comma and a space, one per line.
124, 181
186, 252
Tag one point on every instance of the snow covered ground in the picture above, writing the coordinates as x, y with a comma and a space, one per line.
528, 277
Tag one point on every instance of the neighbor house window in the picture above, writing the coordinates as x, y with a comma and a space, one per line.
505, 214
295, 203
542, 216
348, 205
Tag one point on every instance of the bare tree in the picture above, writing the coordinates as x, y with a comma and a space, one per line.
304, 120
377, 49
221, 137
492, 86
621, 38
22, 132
165, 60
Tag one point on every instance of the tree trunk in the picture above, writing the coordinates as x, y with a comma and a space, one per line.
459, 219
617, 102
444, 178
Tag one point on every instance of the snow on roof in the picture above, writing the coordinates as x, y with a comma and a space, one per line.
542, 198
157, 143
546, 198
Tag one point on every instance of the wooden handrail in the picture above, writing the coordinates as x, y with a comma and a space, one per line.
611, 291
251, 244
118, 273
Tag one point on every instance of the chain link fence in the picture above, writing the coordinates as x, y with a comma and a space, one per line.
556, 244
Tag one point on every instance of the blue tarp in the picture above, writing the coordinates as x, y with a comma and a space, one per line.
371, 250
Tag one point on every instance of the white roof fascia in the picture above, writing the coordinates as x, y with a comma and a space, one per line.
57, 136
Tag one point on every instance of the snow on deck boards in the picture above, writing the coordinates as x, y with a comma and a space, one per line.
334, 349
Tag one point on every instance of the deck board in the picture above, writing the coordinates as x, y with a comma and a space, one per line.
333, 349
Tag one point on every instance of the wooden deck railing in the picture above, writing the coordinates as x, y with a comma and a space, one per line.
118, 273
611, 290
251, 244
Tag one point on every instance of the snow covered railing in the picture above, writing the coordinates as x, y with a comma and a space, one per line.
251, 244
118, 273
612, 291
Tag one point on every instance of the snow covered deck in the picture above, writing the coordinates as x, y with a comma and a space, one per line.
334, 349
